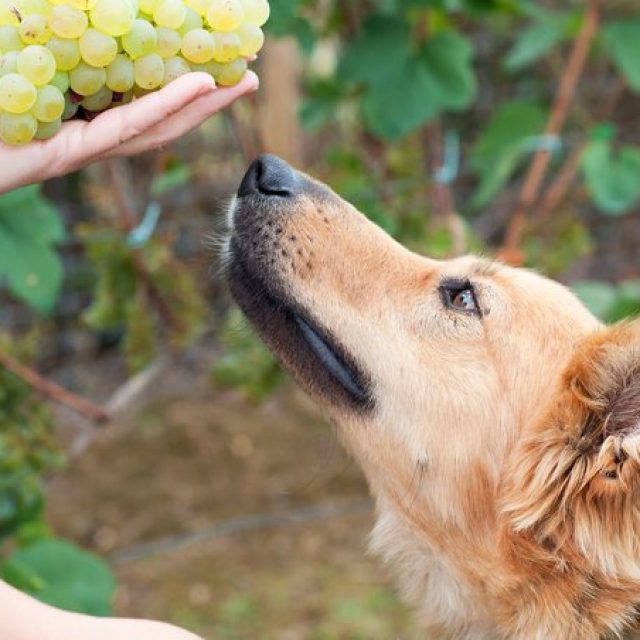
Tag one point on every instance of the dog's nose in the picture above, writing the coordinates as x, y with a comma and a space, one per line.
269, 176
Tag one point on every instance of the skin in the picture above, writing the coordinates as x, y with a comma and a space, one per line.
148, 123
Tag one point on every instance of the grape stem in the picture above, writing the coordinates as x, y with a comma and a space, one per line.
54, 391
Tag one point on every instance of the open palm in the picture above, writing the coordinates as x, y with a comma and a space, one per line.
147, 123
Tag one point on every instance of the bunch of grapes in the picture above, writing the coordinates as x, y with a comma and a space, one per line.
62, 59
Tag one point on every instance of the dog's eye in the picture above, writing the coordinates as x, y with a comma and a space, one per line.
461, 297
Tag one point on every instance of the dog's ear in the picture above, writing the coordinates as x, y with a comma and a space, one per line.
575, 474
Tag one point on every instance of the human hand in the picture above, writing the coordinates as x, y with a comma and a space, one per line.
147, 123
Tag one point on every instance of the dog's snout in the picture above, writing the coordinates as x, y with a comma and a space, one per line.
269, 176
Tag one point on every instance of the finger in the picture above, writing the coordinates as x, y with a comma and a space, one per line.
80, 143
192, 116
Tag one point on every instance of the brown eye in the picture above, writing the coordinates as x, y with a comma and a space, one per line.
465, 300
460, 296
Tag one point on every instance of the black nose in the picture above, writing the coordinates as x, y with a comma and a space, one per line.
269, 176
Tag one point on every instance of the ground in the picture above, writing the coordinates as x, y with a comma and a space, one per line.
201, 458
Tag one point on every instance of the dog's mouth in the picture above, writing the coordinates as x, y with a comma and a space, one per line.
310, 352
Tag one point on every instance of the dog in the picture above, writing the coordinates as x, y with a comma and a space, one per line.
496, 419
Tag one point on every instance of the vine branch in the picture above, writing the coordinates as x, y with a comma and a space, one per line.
557, 119
54, 391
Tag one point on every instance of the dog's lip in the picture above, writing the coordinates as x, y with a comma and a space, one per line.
334, 360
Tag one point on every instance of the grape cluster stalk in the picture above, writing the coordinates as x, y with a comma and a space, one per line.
64, 59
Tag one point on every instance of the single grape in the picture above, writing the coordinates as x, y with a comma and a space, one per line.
227, 47
16, 129
9, 63
66, 52
32, 7
169, 42
174, 68
70, 107
121, 74
68, 22
251, 39
99, 101
149, 71
113, 17
49, 105
61, 81
17, 94
199, 46
37, 63
86, 80
8, 14
97, 48
170, 14
225, 15
149, 6
47, 130
228, 75
10, 39
256, 11
192, 21
34, 29
141, 40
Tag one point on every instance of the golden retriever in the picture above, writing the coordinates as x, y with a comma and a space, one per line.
496, 420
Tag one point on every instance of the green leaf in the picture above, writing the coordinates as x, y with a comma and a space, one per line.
60, 574
29, 227
612, 178
622, 41
500, 149
534, 43
405, 87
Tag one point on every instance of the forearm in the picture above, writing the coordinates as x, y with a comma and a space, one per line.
23, 618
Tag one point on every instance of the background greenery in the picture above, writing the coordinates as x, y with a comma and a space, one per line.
426, 114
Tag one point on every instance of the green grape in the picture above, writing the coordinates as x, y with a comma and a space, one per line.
8, 15
225, 15
141, 40
192, 21
174, 68
66, 52
227, 47
33, 7
251, 39
85, 5
16, 129
17, 94
169, 42
86, 80
49, 105
68, 22
121, 74
113, 17
47, 130
99, 101
149, 71
199, 46
97, 48
9, 63
10, 39
34, 29
170, 14
61, 81
228, 75
199, 6
256, 11
37, 63
70, 108
149, 6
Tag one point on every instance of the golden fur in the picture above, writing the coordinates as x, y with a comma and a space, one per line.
503, 451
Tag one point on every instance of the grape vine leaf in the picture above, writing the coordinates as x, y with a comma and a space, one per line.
534, 43
405, 86
612, 177
500, 149
30, 227
622, 41
60, 574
